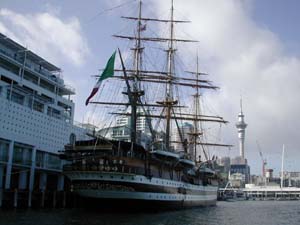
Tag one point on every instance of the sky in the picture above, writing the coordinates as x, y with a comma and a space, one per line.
249, 47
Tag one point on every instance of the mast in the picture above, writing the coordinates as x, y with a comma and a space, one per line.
136, 93
169, 92
197, 112
138, 49
136, 75
197, 129
135, 84
282, 161
198, 118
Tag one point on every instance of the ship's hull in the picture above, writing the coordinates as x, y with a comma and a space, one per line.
128, 191
111, 204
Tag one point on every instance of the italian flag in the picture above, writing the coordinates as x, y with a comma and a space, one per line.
107, 72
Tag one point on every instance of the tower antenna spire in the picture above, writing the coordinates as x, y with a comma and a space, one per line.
241, 104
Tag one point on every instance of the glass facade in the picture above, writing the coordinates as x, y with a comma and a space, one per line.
53, 162
22, 155
242, 169
4, 146
39, 159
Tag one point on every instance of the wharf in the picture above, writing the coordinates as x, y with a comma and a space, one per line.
37, 199
272, 193
260, 193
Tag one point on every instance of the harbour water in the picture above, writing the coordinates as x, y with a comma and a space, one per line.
225, 213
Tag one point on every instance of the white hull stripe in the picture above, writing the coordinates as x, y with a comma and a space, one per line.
144, 196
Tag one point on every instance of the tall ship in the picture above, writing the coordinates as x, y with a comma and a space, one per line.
152, 160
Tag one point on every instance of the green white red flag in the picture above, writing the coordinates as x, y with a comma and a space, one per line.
107, 72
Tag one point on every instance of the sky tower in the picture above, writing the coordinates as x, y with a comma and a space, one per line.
241, 126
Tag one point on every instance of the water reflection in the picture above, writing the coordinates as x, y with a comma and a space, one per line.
226, 213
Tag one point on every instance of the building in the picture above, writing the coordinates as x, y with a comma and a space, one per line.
239, 168
142, 122
269, 175
241, 126
291, 179
222, 168
121, 130
186, 129
225, 162
238, 160
36, 120
242, 169
237, 180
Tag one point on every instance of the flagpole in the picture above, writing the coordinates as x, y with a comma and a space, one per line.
282, 160
132, 96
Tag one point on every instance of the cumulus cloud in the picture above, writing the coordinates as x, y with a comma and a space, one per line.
42, 32
247, 59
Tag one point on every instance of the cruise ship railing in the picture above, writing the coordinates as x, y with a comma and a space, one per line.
47, 74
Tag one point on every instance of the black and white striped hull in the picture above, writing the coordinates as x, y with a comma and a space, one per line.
119, 190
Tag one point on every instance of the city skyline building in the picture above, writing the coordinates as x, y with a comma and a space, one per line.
241, 126
185, 129
239, 168
121, 129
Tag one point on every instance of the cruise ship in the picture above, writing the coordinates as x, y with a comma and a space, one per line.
36, 121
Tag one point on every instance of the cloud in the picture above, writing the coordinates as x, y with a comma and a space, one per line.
42, 32
246, 59
6, 31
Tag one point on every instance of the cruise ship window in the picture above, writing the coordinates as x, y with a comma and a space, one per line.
15, 97
9, 66
38, 106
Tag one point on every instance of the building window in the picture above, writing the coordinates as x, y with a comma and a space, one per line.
117, 132
56, 113
17, 155
53, 162
39, 159
22, 155
37, 106
47, 85
72, 139
15, 97
4, 151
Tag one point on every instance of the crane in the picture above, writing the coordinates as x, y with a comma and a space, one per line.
264, 161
